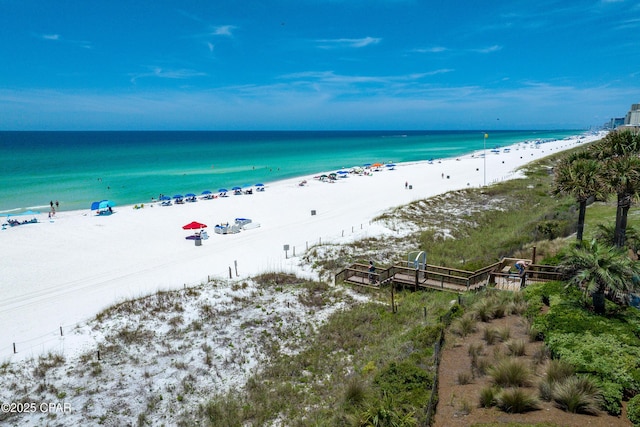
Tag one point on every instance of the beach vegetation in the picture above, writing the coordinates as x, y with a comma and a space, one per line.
633, 410
601, 271
511, 372
579, 175
577, 395
516, 400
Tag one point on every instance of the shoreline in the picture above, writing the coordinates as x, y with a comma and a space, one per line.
138, 184
61, 273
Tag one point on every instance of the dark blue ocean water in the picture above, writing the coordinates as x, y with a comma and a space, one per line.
77, 168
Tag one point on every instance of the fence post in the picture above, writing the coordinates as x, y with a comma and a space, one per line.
61, 334
393, 304
14, 348
230, 274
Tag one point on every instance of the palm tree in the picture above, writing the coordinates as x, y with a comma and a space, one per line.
619, 150
601, 271
622, 174
605, 235
579, 175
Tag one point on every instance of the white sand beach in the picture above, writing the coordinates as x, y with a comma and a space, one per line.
61, 272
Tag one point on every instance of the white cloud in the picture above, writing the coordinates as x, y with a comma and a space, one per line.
352, 43
158, 72
211, 46
489, 49
51, 36
435, 49
223, 30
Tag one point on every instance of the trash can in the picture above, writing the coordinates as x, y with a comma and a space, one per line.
313, 212
198, 242
410, 187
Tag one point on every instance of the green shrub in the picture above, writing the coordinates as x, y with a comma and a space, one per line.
464, 325
464, 378
558, 371
511, 372
480, 366
516, 348
488, 397
490, 335
577, 395
545, 390
516, 401
633, 410
611, 394
484, 309
405, 381
355, 393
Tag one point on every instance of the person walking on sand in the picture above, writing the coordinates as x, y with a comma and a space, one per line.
406, 184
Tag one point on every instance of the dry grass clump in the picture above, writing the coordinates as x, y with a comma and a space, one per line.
516, 347
511, 372
516, 401
465, 325
577, 395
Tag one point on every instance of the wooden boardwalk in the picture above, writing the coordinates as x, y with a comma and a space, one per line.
500, 275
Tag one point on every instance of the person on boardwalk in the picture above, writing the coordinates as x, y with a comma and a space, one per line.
372, 272
520, 266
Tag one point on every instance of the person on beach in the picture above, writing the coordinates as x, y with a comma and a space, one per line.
406, 184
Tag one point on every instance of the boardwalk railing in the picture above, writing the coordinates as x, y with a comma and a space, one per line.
446, 278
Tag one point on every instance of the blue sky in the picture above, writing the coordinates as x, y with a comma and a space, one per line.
316, 65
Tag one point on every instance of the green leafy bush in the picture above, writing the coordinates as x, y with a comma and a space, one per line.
406, 382
633, 410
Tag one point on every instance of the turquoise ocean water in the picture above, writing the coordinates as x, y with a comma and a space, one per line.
77, 168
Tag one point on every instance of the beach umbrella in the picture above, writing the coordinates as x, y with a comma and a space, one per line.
206, 192
236, 188
189, 195
376, 165
222, 190
194, 225
165, 198
343, 172
391, 165
104, 204
177, 196
259, 184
